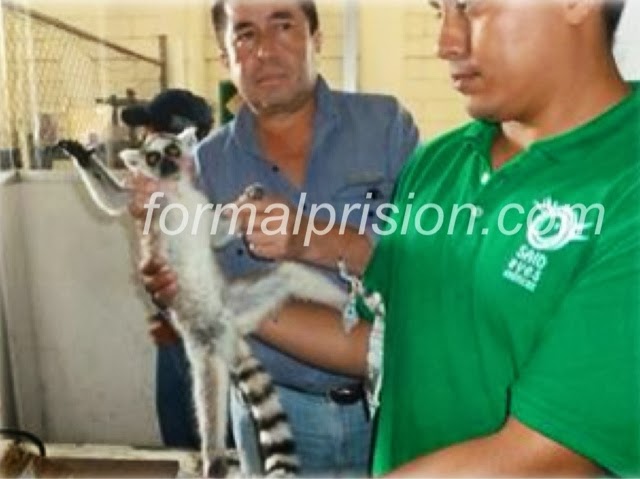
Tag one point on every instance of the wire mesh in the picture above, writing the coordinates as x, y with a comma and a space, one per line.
57, 81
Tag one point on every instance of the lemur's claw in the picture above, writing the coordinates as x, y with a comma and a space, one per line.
75, 149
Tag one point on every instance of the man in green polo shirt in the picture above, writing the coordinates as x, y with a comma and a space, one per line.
510, 268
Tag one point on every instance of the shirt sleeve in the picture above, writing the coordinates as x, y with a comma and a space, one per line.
402, 141
581, 386
377, 274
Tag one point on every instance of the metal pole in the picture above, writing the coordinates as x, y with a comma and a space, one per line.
350, 46
162, 44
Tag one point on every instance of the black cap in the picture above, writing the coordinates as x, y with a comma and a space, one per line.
171, 111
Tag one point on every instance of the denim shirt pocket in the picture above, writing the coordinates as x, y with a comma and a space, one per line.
364, 197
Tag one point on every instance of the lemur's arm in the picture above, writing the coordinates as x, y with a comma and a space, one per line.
107, 191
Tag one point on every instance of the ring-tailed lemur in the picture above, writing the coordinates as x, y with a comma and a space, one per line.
211, 313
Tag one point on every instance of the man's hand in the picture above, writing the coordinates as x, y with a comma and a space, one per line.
161, 331
160, 281
157, 277
271, 232
269, 227
142, 187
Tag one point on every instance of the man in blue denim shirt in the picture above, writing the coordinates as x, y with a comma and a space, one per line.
299, 140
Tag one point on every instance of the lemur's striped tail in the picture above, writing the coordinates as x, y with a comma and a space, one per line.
275, 439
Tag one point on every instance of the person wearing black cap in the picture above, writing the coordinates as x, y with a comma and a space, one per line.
298, 138
171, 111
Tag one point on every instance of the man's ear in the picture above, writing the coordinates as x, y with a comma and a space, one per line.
223, 58
577, 11
317, 41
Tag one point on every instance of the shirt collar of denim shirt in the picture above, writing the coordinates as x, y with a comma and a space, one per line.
326, 118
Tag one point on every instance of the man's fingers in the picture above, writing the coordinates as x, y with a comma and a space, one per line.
163, 288
141, 183
159, 281
259, 204
162, 332
166, 295
264, 246
153, 265
142, 188
137, 208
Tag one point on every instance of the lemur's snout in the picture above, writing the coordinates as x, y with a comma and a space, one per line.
168, 167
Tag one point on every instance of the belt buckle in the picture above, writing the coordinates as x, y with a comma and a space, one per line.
345, 395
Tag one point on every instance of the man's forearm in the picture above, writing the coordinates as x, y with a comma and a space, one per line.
314, 334
514, 451
327, 249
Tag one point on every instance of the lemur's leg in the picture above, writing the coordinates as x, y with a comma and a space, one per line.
306, 283
210, 377
251, 302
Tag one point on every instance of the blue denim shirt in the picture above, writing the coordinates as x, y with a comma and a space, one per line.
360, 143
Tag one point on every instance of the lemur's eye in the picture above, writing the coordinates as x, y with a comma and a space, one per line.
173, 150
152, 158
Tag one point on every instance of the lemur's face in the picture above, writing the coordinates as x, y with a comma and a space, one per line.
161, 155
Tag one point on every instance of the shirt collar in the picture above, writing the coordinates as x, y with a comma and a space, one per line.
326, 118
480, 133
566, 144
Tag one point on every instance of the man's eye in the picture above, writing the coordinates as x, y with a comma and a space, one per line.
436, 8
244, 36
284, 26
468, 6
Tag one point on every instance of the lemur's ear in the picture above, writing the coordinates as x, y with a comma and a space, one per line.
188, 138
132, 159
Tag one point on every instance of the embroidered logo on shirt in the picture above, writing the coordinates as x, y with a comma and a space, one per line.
552, 227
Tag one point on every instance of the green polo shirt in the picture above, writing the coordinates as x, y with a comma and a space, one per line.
538, 320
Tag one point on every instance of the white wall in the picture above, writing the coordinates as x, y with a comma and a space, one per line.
81, 358
628, 41
8, 277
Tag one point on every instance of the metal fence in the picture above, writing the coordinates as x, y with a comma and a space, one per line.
57, 81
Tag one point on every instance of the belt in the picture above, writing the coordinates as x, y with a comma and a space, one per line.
343, 395
346, 395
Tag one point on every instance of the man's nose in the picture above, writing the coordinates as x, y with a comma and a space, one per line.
266, 45
454, 38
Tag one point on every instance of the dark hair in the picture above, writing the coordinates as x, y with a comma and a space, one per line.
611, 13
219, 17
